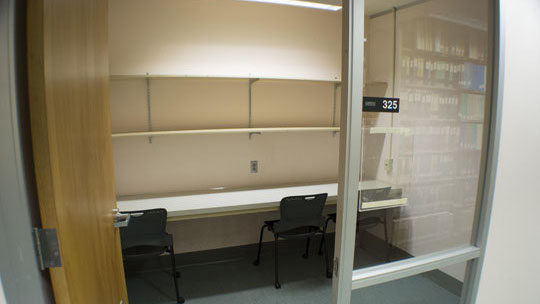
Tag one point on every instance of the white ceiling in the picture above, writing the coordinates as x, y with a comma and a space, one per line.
377, 6
373, 6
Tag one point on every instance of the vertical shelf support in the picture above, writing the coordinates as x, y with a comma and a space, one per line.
394, 68
148, 107
251, 82
336, 86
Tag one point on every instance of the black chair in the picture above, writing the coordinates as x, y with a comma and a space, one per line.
146, 236
300, 217
367, 219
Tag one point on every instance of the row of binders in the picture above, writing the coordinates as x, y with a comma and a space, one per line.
428, 169
417, 70
447, 38
426, 104
472, 107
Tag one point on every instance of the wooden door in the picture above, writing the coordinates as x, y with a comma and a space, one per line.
71, 135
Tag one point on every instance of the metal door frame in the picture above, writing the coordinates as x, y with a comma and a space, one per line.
20, 276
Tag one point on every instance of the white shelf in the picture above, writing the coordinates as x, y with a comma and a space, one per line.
228, 131
390, 130
165, 76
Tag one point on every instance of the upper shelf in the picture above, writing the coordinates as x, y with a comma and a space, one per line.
172, 76
443, 56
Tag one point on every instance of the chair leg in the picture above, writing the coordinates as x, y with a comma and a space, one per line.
324, 235
327, 269
179, 299
321, 245
388, 246
258, 260
306, 254
360, 235
276, 282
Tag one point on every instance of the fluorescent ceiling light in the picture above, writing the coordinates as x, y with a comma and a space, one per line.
301, 3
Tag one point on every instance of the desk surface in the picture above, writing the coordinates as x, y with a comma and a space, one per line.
244, 201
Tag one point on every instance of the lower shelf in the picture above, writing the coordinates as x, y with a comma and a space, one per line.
373, 130
228, 131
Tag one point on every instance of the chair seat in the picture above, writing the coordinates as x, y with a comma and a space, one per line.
300, 232
361, 216
141, 251
363, 222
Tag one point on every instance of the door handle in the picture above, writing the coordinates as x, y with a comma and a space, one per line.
121, 219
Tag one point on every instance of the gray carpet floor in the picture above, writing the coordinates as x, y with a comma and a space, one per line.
303, 281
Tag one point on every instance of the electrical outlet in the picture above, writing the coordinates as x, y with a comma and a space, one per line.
254, 166
388, 165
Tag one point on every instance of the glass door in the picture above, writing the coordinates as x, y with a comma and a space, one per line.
414, 129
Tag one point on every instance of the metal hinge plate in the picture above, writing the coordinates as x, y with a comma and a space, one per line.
336, 266
47, 247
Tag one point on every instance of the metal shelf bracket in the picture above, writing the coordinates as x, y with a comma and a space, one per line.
336, 86
148, 107
250, 117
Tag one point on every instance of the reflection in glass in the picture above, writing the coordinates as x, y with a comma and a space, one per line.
428, 154
437, 286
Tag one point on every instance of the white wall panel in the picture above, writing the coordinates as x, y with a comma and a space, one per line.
511, 269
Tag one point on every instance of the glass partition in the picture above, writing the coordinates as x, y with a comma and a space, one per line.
437, 286
420, 167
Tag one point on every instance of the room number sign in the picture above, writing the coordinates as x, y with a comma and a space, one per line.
380, 104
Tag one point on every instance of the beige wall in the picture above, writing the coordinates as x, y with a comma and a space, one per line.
222, 38
201, 162
511, 270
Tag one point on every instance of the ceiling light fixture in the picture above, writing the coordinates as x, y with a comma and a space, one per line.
316, 5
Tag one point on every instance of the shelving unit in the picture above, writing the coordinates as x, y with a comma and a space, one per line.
441, 56
440, 67
440, 88
249, 130
162, 106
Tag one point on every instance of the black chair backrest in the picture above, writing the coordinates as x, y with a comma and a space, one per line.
146, 228
373, 195
301, 211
